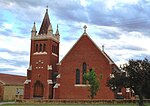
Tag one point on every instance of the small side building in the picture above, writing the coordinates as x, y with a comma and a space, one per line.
11, 87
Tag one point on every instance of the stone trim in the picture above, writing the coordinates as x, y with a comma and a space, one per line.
119, 93
112, 76
58, 76
39, 53
30, 67
58, 64
56, 85
2, 82
81, 85
27, 81
44, 36
49, 81
49, 67
54, 54
127, 89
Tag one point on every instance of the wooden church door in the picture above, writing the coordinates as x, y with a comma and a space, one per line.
38, 89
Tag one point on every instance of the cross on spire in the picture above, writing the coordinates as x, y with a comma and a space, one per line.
47, 8
84, 28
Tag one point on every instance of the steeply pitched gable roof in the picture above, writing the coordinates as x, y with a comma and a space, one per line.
8, 79
85, 34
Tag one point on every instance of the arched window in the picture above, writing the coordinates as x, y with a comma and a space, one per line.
44, 47
84, 68
40, 47
77, 76
36, 47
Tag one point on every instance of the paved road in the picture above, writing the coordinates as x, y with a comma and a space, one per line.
1, 103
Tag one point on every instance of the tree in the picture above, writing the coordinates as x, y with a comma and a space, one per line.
134, 75
93, 81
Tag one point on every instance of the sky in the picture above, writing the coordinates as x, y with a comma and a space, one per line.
122, 26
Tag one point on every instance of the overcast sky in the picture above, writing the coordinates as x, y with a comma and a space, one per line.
123, 26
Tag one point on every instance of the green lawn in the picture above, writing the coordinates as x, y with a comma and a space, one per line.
72, 105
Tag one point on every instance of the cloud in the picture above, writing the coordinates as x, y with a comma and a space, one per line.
11, 69
69, 10
141, 56
14, 53
129, 16
13, 62
4, 70
69, 39
121, 25
122, 14
106, 32
133, 15
14, 43
132, 48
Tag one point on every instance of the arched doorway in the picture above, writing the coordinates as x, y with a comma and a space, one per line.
38, 89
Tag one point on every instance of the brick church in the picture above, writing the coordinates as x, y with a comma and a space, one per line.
49, 78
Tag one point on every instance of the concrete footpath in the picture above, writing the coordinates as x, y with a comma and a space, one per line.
1, 103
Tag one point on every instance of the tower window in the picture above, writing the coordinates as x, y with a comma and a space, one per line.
44, 47
54, 49
84, 68
40, 47
36, 47
77, 76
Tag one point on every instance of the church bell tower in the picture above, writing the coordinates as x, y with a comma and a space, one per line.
44, 55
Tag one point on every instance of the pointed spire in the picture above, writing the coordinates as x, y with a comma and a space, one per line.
57, 31
45, 24
50, 31
34, 28
84, 30
50, 28
33, 32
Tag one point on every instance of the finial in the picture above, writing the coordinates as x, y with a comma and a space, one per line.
47, 8
57, 32
57, 26
33, 32
102, 47
34, 28
85, 28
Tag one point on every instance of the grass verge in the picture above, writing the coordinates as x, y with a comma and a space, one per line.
20, 104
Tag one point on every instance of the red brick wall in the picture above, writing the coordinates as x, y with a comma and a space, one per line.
27, 91
83, 51
41, 74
